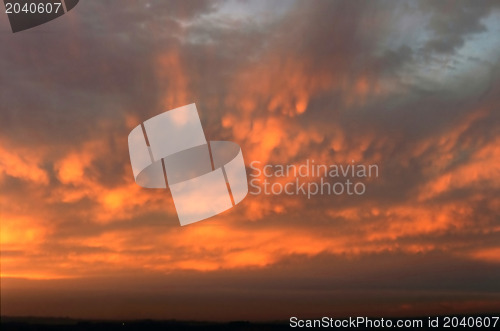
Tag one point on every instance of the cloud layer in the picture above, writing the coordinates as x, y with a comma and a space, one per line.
411, 87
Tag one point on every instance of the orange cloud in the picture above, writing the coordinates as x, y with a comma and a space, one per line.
173, 79
487, 254
23, 163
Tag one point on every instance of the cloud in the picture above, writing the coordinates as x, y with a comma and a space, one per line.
22, 164
452, 22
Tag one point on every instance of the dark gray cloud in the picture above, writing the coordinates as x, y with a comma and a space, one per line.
422, 284
451, 22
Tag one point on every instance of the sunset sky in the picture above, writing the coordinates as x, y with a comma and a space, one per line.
413, 87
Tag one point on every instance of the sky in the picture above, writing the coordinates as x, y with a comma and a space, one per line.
411, 86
